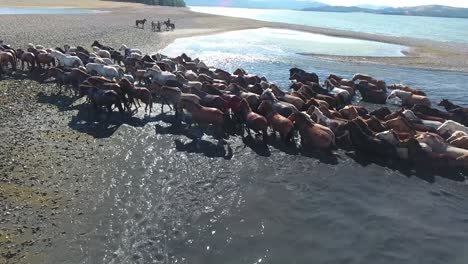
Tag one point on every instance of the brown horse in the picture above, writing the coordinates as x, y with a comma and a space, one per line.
252, 120
140, 94
27, 57
205, 116
61, 77
277, 122
43, 59
313, 135
7, 58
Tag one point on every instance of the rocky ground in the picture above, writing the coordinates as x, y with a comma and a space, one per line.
44, 165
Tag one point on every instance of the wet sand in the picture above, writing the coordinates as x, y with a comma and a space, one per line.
51, 149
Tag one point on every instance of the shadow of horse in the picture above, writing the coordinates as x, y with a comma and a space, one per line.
258, 146
207, 148
425, 172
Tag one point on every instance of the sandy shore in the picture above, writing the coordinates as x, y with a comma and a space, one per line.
45, 156
117, 27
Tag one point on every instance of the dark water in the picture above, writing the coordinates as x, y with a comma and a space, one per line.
48, 11
162, 200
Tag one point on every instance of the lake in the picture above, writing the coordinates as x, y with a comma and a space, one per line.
47, 11
433, 28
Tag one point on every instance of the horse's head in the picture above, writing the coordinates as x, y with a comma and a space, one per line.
444, 102
410, 115
268, 95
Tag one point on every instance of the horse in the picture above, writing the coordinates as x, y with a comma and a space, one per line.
169, 25
106, 98
277, 122
406, 89
102, 53
99, 45
283, 108
210, 100
127, 51
67, 61
205, 116
282, 96
7, 58
313, 135
106, 71
363, 139
252, 120
27, 57
371, 95
451, 107
409, 99
140, 22
60, 76
302, 76
160, 76
450, 127
137, 93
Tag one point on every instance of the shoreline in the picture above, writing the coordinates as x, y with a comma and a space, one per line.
420, 53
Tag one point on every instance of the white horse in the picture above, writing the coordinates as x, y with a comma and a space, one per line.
126, 51
106, 71
102, 53
160, 76
66, 60
191, 75
450, 127
410, 99
320, 117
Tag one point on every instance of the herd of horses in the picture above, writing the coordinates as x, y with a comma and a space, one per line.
321, 115
156, 26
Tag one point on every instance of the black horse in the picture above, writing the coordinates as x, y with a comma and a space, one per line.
140, 22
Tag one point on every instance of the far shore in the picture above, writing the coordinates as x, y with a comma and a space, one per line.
117, 27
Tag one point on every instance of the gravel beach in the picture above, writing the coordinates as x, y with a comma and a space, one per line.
47, 157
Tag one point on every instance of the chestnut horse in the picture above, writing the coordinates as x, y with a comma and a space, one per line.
252, 120
313, 135
205, 116
277, 122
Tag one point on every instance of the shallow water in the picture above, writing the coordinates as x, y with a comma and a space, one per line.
46, 11
269, 41
434, 28
163, 200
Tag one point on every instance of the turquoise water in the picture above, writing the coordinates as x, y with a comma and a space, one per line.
433, 28
45, 11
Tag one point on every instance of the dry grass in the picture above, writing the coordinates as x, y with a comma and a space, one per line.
65, 3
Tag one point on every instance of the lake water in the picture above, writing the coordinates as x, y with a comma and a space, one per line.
268, 41
46, 11
272, 53
434, 28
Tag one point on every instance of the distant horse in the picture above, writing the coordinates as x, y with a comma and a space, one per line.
140, 22
156, 26
169, 25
